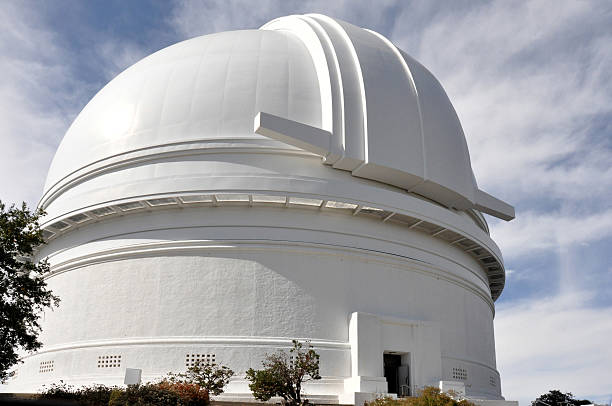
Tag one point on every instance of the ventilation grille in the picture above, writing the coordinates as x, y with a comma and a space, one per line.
103, 211
191, 359
109, 361
493, 381
46, 366
130, 206
79, 218
460, 374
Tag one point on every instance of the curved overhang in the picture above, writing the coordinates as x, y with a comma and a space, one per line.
414, 214
318, 141
392, 120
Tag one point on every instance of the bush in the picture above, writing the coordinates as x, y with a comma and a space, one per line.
190, 394
209, 376
284, 377
429, 396
87, 395
59, 390
141, 395
95, 395
164, 393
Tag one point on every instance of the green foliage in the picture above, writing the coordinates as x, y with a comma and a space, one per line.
209, 376
23, 291
557, 398
429, 396
87, 395
147, 394
283, 375
59, 390
163, 393
190, 394
95, 395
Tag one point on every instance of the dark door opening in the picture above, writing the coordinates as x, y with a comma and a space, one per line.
403, 377
392, 362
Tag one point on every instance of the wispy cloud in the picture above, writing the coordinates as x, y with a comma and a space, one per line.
119, 56
33, 113
534, 231
192, 18
529, 81
560, 342
43, 90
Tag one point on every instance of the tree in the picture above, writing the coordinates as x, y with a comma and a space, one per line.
209, 376
284, 375
23, 290
558, 398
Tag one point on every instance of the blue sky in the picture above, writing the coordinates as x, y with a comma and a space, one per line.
531, 82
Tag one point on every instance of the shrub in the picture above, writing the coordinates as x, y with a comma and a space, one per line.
59, 390
190, 394
160, 394
164, 393
284, 377
209, 376
429, 396
95, 395
87, 395
141, 395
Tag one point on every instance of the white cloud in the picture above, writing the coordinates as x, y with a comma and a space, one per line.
191, 18
41, 93
554, 343
118, 55
527, 79
31, 123
533, 231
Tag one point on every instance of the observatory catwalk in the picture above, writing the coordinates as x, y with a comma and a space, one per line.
238, 190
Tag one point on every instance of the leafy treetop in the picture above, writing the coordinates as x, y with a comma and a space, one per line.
557, 398
23, 290
283, 375
209, 376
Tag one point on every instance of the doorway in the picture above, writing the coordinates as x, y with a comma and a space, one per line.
397, 373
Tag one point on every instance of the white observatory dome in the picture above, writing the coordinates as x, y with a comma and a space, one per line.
390, 118
237, 190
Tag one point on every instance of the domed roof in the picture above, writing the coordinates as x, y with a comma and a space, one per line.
209, 87
320, 84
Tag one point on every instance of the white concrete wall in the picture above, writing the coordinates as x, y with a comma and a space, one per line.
239, 282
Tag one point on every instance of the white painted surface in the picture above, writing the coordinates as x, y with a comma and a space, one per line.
132, 376
278, 246
456, 388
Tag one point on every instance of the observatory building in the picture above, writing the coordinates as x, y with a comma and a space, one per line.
235, 191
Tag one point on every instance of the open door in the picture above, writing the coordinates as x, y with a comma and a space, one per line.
403, 377
397, 373
392, 363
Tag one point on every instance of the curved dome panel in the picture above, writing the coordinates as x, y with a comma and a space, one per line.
393, 121
203, 88
384, 116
